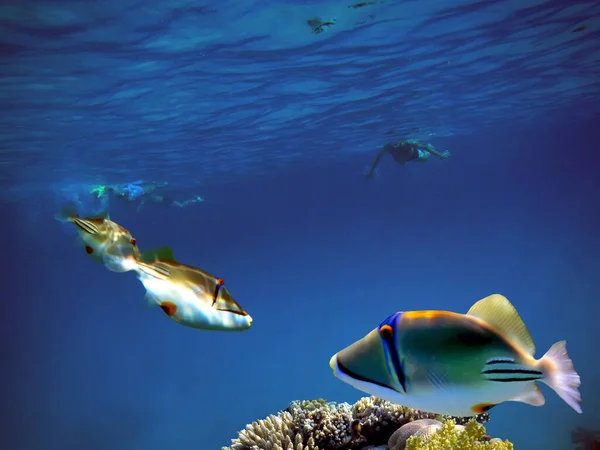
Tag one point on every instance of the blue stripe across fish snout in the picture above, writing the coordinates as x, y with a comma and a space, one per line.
387, 331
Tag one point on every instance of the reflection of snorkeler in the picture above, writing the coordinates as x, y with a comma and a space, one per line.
405, 151
143, 191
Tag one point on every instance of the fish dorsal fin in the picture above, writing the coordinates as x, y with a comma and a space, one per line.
101, 215
498, 312
164, 254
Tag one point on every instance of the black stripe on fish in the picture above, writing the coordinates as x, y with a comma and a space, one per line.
355, 376
511, 371
512, 374
233, 311
86, 226
155, 271
499, 361
219, 283
509, 380
387, 331
162, 270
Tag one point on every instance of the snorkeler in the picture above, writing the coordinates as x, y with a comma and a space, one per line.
129, 191
143, 191
405, 151
169, 201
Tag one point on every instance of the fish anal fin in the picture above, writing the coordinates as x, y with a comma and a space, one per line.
158, 254
151, 301
499, 313
532, 396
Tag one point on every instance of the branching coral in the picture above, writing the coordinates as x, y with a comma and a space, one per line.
453, 437
321, 425
305, 425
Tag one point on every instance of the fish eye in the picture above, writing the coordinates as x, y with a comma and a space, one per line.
133, 241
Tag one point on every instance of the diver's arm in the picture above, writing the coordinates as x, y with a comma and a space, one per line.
382, 152
442, 155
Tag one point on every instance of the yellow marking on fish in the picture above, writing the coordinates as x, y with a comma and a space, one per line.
428, 314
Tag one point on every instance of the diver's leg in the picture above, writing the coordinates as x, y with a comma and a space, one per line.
196, 199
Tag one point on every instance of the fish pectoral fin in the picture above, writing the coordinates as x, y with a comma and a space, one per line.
532, 396
438, 379
498, 312
66, 212
158, 254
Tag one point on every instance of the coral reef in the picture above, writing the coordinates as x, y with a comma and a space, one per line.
456, 437
321, 425
585, 439
421, 427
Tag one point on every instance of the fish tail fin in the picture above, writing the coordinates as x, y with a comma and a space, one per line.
560, 375
66, 213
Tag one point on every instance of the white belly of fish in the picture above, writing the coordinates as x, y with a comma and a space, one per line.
449, 400
116, 257
118, 263
192, 307
461, 401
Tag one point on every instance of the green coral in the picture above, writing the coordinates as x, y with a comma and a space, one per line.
451, 437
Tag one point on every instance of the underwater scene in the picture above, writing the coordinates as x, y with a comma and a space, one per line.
300, 225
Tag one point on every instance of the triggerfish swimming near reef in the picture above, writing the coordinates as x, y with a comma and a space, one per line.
105, 241
189, 295
457, 364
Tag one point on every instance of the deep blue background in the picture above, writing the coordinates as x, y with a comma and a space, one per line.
318, 256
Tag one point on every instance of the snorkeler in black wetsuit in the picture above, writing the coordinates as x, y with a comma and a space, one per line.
405, 151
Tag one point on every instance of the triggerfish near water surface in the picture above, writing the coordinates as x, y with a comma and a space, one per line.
105, 241
457, 364
189, 295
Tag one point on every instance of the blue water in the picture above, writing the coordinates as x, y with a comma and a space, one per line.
273, 125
